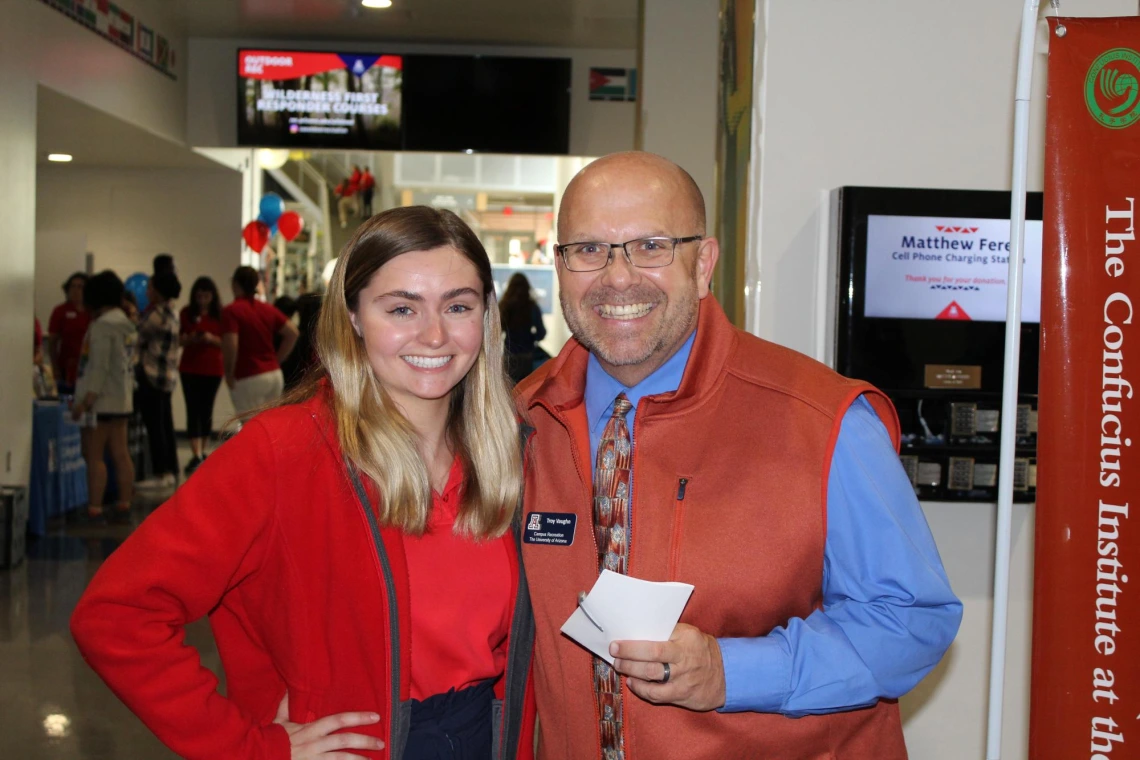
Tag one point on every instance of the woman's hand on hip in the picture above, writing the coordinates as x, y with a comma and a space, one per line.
311, 741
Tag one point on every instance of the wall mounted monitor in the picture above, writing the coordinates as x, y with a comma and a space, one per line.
922, 283
311, 99
491, 104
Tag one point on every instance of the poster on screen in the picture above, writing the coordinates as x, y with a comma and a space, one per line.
925, 267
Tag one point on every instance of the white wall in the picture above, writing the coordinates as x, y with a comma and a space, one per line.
910, 94
596, 128
128, 216
39, 45
678, 79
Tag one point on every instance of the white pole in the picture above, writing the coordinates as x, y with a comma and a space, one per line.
1009, 385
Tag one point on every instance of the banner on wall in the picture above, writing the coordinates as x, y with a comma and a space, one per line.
1085, 699
119, 27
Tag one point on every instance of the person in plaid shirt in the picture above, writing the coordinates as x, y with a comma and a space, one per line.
159, 351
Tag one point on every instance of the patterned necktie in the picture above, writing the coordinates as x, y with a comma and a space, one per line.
611, 527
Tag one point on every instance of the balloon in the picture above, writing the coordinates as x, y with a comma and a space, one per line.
290, 224
272, 207
136, 285
256, 235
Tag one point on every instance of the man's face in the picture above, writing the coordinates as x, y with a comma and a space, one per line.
75, 291
633, 319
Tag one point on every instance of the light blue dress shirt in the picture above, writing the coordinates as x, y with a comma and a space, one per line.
888, 611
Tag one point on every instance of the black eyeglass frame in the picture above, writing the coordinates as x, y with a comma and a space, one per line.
676, 241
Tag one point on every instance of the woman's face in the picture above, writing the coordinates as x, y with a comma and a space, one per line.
421, 318
202, 298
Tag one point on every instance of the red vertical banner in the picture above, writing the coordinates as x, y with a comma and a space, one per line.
1086, 614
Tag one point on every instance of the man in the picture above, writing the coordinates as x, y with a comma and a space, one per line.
164, 264
66, 329
680, 448
346, 201
367, 189
252, 364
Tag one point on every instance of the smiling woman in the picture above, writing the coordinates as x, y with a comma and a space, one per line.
371, 508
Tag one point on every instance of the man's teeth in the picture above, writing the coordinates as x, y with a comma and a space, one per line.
427, 362
625, 311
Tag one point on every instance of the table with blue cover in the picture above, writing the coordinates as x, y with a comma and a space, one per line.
59, 475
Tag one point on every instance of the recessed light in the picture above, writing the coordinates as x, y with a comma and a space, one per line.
62, 158
376, 3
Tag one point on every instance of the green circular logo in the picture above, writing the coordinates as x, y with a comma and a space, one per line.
1112, 88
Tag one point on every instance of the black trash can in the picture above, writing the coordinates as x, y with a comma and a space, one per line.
13, 525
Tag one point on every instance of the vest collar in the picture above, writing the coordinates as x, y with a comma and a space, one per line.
564, 386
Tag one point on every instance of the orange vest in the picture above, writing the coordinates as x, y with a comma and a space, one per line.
751, 431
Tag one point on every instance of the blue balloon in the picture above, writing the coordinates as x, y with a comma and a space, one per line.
136, 285
272, 207
272, 230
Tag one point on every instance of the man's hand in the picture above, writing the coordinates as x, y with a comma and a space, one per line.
696, 670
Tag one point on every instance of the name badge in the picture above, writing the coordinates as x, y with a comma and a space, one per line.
553, 528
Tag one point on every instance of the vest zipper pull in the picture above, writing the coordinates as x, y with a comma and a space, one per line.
681, 484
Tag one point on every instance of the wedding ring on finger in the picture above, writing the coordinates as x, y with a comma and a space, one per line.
665, 678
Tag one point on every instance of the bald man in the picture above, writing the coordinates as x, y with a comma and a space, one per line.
668, 445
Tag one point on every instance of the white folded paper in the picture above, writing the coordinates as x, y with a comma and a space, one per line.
627, 609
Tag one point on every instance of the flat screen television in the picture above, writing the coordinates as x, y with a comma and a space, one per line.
491, 104
922, 282
312, 99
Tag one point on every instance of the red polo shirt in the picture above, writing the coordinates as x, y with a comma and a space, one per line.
69, 325
255, 323
459, 638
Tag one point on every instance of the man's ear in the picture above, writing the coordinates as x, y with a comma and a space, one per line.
707, 256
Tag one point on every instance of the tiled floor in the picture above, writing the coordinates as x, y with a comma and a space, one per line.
52, 706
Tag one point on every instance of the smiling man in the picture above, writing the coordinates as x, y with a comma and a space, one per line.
672, 446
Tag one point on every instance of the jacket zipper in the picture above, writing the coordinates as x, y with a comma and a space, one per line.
678, 515
393, 649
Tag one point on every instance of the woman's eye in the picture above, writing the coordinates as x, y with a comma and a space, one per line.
458, 308
402, 311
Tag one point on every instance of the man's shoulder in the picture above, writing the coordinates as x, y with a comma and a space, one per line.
528, 387
771, 367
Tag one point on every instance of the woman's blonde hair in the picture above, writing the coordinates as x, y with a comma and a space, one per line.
375, 437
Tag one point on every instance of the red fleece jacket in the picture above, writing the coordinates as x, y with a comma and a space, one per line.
270, 540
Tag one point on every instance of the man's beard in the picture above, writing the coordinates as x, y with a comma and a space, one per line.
679, 317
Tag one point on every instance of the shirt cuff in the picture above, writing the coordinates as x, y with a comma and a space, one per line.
757, 674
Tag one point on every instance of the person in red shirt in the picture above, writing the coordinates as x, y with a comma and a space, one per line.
66, 328
367, 188
346, 201
356, 547
201, 367
252, 365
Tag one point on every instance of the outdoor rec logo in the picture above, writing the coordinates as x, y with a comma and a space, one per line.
1112, 88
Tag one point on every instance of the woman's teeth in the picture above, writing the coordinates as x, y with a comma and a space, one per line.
626, 311
427, 362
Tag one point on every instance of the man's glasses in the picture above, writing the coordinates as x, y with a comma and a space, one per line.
646, 253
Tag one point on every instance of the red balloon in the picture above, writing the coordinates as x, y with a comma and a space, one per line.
290, 224
256, 235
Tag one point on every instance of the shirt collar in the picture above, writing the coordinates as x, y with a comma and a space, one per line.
602, 388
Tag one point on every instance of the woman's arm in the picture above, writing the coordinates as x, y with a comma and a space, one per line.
178, 565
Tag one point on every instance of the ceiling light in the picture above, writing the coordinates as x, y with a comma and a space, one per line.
62, 158
376, 3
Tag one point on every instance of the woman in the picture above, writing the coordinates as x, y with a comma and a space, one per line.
159, 351
66, 328
201, 367
103, 393
522, 323
352, 546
